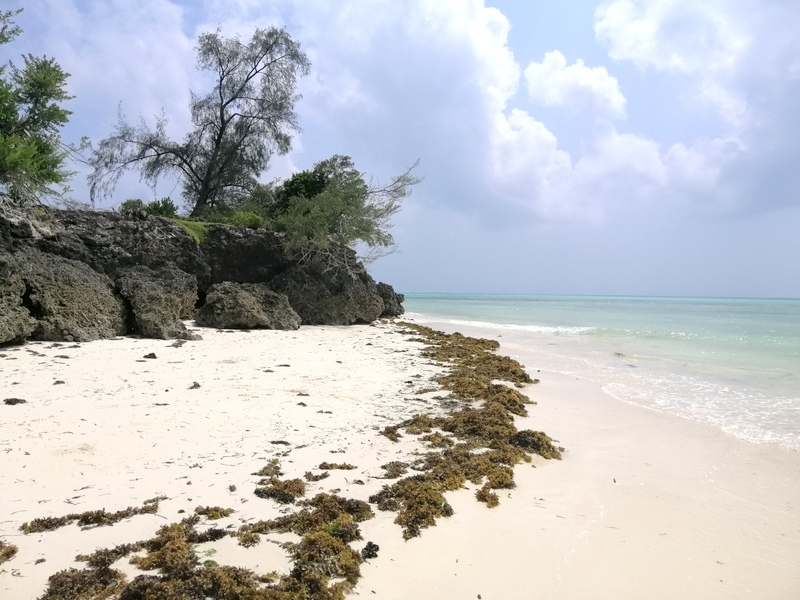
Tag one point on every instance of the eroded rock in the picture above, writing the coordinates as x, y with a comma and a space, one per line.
246, 306
159, 300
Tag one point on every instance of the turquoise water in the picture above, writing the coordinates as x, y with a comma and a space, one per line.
734, 363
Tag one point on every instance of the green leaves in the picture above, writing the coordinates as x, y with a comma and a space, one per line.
31, 152
332, 205
239, 124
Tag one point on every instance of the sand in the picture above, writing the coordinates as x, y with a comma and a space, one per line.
643, 505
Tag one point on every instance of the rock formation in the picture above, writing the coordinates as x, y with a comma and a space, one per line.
82, 275
246, 306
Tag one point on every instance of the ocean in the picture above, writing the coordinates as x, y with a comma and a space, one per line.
733, 363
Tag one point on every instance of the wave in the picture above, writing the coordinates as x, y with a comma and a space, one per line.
502, 326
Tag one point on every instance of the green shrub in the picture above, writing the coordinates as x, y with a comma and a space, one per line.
245, 218
162, 208
132, 205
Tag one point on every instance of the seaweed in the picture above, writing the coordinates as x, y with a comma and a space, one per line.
92, 518
213, 513
7, 551
309, 476
394, 469
84, 584
317, 513
484, 443
319, 556
271, 469
391, 433
334, 466
437, 440
283, 492
538, 442
419, 424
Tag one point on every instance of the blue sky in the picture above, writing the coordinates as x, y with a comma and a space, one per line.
624, 147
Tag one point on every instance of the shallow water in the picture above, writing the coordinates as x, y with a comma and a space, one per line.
734, 363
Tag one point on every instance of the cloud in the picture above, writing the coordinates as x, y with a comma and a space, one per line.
553, 83
674, 35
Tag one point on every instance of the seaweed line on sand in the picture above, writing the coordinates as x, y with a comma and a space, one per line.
475, 440
483, 444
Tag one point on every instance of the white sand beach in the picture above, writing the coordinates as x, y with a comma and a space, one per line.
643, 505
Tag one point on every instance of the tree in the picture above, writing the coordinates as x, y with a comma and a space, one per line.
246, 117
32, 154
331, 207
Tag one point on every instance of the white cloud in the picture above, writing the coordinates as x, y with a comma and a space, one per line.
674, 35
553, 83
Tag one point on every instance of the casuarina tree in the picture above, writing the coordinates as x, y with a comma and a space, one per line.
32, 154
237, 126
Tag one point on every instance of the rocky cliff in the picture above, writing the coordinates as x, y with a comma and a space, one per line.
83, 275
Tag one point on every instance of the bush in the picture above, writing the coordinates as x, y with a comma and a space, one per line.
162, 208
245, 218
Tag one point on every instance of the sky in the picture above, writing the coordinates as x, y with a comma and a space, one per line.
624, 147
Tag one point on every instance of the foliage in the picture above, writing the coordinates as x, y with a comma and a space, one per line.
31, 152
331, 207
164, 207
237, 126
246, 218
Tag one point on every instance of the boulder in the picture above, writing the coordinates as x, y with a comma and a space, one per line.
325, 296
16, 322
246, 306
69, 300
159, 300
392, 301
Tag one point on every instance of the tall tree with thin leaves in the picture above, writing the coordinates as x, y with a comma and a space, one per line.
236, 127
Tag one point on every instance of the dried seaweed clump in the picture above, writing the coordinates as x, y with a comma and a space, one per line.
322, 512
84, 584
7, 551
319, 557
212, 513
282, 491
537, 442
309, 476
172, 551
391, 433
394, 469
417, 501
334, 466
92, 518
271, 469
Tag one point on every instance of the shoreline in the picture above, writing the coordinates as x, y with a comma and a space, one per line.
686, 497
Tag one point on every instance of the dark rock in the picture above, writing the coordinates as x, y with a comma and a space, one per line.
392, 301
243, 255
246, 306
150, 259
110, 242
160, 300
325, 296
68, 299
16, 322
